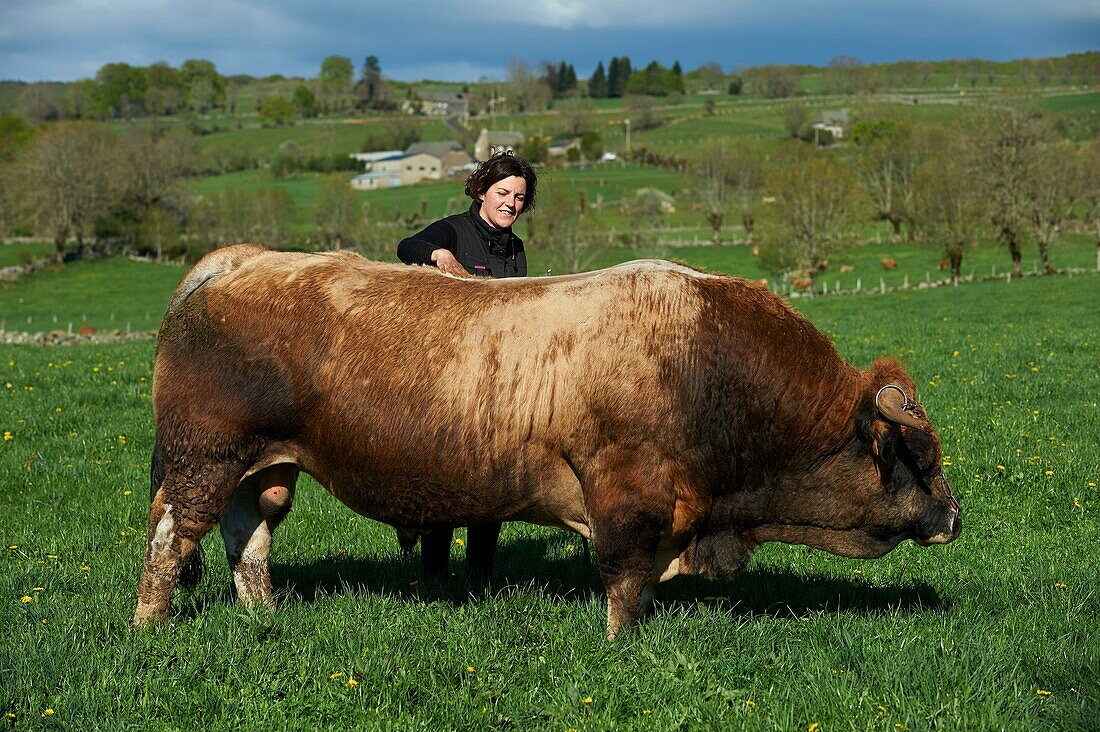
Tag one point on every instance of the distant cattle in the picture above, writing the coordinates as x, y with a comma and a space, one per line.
801, 283
678, 419
888, 263
846, 268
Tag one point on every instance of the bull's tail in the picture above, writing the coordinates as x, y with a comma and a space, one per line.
216, 264
191, 573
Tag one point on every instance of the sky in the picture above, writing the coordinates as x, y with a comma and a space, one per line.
467, 40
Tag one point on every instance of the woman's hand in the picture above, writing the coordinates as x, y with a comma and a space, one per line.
446, 262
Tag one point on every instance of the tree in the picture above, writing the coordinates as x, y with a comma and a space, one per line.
576, 114
274, 215
1091, 189
336, 75
591, 145
70, 165
40, 103
1006, 140
203, 86
711, 75
531, 93
814, 195
120, 90
149, 171
772, 82
747, 172
564, 242
888, 155
337, 212
276, 110
372, 91
597, 85
618, 74
305, 103
795, 118
1053, 188
948, 202
714, 168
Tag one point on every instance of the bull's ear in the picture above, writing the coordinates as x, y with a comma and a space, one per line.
879, 434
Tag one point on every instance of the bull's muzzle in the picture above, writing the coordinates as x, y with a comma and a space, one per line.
950, 524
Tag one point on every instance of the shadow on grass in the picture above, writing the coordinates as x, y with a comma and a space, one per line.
526, 562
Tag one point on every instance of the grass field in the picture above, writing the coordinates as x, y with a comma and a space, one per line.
995, 631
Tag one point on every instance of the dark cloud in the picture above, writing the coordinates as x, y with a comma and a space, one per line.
70, 39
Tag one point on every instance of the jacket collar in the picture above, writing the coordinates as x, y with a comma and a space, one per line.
491, 234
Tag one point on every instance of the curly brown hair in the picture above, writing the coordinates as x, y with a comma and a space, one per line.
499, 166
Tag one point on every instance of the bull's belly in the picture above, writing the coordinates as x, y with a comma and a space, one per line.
547, 494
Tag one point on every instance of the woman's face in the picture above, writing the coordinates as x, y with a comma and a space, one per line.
503, 201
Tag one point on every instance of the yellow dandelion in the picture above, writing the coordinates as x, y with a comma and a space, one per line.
8, 436
1060, 585
647, 712
899, 725
813, 727
352, 683
52, 556
1076, 502
26, 598
1050, 472
95, 369
881, 709
587, 700
749, 703
568, 547
13, 547
1043, 693
47, 712
38, 589
85, 568
10, 715
43, 621
127, 493
1001, 468
7, 385
459, 542
122, 439
337, 675
1092, 485
470, 669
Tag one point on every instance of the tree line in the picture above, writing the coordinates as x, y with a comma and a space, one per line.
1002, 175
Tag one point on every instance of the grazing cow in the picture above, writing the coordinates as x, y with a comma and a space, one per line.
888, 263
676, 418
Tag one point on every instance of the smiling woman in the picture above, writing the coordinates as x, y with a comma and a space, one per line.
477, 243
480, 241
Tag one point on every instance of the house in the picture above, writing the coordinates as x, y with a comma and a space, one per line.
833, 122
369, 157
399, 169
491, 142
562, 146
452, 157
436, 105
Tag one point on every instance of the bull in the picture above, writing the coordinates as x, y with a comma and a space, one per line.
677, 419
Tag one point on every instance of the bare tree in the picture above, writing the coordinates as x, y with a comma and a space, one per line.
814, 194
569, 249
1007, 139
337, 212
61, 182
1055, 185
714, 167
948, 201
1091, 189
888, 155
529, 91
747, 168
150, 172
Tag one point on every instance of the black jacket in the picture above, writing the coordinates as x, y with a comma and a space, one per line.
482, 249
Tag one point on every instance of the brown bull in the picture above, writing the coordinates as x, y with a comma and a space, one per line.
676, 418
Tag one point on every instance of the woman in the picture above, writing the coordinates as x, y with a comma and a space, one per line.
478, 242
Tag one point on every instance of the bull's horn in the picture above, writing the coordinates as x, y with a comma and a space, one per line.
893, 404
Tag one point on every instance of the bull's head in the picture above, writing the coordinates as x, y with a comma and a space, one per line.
907, 455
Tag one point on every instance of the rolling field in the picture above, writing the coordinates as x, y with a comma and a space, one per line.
995, 631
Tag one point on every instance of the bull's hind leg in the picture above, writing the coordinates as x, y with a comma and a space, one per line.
186, 504
259, 505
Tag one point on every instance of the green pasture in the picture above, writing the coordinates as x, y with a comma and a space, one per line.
995, 631
21, 253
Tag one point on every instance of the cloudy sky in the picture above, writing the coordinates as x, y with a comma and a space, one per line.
63, 40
